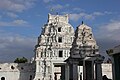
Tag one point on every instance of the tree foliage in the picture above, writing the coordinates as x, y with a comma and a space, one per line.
21, 60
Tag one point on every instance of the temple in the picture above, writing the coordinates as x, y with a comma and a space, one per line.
61, 53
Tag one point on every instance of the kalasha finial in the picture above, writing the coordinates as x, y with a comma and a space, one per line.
56, 13
82, 22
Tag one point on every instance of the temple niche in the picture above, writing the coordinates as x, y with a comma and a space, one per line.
62, 54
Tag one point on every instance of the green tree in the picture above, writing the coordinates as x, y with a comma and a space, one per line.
21, 60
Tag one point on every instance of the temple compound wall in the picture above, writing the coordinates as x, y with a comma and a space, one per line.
107, 70
52, 50
11, 71
14, 71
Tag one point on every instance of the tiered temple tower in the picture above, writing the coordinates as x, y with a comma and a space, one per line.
84, 43
60, 51
53, 48
84, 52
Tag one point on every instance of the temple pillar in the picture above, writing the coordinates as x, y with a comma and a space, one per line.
55, 76
84, 70
66, 72
117, 66
63, 72
98, 70
93, 70
52, 71
37, 66
73, 71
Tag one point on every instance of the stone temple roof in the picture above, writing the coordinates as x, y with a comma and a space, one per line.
82, 26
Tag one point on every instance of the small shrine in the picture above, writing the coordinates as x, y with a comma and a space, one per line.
84, 52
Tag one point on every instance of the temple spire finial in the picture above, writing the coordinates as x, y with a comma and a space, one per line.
56, 13
82, 22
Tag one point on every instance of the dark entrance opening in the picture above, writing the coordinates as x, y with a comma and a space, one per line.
60, 39
59, 29
60, 53
2, 78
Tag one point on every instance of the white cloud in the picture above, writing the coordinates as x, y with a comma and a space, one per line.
12, 39
113, 26
47, 1
77, 16
56, 7
89, 16
13, 45
78, 9
11, 14
108, 36
67, 5
98, 13
107, 12
14, 23
19, 22
16, 5
110, 30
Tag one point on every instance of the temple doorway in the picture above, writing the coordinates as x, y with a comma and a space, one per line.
59, 72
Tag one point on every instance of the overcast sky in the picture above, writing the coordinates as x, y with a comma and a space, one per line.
21, 22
